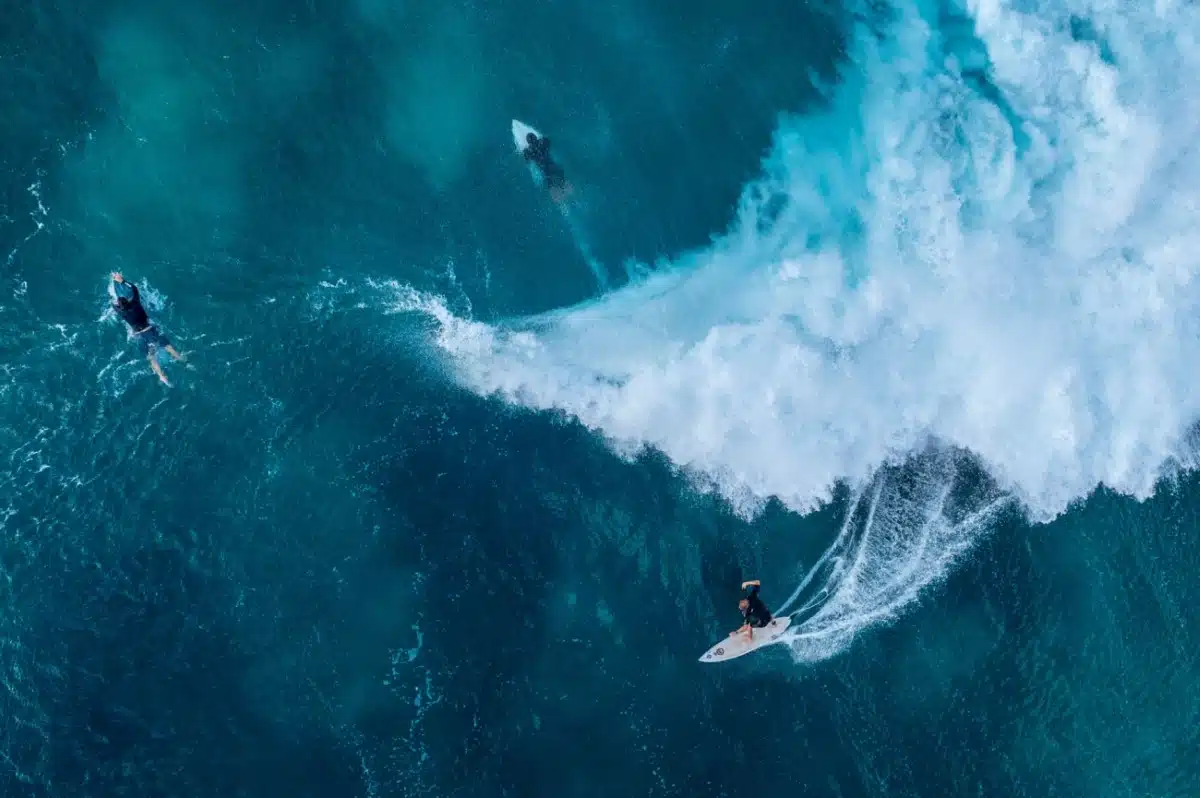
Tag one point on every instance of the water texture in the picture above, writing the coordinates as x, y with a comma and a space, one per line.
891, 306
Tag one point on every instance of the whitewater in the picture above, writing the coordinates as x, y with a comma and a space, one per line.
981, 249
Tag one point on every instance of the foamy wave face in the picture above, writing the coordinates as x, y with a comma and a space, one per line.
986, 243
988, 240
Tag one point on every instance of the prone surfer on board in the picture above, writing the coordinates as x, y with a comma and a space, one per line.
538, 153
754, 612
127, 303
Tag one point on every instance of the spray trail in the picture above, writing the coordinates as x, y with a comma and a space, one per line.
898, 539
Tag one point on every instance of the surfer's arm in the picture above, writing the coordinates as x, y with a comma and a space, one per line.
754, 582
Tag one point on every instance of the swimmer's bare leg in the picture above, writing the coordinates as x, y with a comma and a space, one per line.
157, 368
173, 352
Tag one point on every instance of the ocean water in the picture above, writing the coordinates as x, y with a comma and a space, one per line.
889, 305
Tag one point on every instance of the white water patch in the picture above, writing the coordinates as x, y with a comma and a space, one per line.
988, 240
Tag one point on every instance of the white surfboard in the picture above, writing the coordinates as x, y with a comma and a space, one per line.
520, 131
736, 645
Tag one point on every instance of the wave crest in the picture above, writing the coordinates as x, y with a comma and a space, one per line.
985, 239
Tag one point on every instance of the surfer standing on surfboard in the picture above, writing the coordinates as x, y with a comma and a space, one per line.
537, 152
754, 613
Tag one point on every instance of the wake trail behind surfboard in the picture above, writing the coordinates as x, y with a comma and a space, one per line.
520, 132
585, 249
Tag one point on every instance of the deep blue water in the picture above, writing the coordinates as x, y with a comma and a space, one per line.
434, 515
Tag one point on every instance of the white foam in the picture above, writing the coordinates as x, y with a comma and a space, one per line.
1007, 271
1024, 292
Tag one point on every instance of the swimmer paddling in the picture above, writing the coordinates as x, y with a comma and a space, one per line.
127, 303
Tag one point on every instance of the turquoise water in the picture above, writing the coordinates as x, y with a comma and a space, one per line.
891, 307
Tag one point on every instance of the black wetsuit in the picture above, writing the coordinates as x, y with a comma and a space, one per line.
134, 314
131, 310
539, 153
756, 614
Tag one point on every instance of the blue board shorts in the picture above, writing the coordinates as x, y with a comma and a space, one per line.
151, 338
